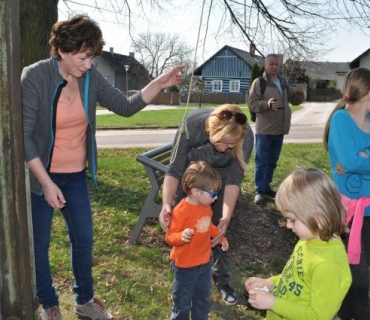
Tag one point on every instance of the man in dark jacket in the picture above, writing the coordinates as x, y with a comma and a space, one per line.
272, 122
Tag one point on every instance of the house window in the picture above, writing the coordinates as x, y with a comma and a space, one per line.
217, 85
234, 85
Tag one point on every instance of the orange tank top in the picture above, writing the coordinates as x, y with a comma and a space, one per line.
69, 153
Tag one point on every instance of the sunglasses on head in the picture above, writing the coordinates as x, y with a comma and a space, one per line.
240, 118
213, 194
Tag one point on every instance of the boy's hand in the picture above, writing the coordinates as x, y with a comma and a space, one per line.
225, 245
255, 282
187, 234
261, 299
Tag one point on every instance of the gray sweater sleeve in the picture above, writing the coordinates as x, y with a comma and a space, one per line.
32, 104
113, 99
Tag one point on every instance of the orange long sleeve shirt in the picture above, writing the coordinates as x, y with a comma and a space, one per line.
198, 250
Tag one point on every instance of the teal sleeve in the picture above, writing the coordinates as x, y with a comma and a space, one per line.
329, 284
342, 136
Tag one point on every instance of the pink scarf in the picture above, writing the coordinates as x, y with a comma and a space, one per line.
355, 209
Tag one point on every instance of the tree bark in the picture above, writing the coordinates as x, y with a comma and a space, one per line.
36, 19
17, 293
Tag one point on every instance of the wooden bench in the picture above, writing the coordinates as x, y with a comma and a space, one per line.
155, 164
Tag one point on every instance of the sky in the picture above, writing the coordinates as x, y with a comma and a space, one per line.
347, 46
185, 21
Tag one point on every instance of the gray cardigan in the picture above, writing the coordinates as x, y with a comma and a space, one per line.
42, 83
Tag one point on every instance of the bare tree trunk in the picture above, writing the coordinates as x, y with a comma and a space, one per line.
36, 19
17, 294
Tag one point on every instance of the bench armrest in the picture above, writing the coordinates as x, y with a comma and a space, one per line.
148, 158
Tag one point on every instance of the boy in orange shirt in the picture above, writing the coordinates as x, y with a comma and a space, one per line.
190, 234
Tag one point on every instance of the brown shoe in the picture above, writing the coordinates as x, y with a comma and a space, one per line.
94, 310
51, 313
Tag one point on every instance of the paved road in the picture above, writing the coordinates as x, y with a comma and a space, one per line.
308, 123
307, 127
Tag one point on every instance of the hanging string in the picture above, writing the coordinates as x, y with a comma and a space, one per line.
183, 127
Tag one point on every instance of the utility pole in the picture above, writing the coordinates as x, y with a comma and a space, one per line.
17, 296
127, 67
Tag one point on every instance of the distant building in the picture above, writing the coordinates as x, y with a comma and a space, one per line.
322, 73
363, 60
229, 70
113, 67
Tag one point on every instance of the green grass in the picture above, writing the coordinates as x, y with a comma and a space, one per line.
135, 280
155, 118
149, 119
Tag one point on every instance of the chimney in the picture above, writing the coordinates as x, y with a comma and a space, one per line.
131, 54
111, 50
252, 49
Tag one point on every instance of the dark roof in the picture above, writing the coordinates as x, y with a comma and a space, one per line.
118, 61
355, 63
324, 70
246, 56
137, 70
243, 55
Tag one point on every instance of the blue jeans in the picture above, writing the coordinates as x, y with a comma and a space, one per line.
268, 148
191, 292
78, 217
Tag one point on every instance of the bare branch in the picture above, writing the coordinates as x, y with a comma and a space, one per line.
159, 51
298, 28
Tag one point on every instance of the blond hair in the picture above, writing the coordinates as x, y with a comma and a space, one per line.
200, 175
219, 129
355, 87
313, 198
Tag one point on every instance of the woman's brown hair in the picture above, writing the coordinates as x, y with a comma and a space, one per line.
200, 175
77, 34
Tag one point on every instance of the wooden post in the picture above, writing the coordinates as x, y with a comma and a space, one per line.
17, 294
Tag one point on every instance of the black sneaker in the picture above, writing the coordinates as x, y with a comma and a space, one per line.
228, 295
259, 197
270, 192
